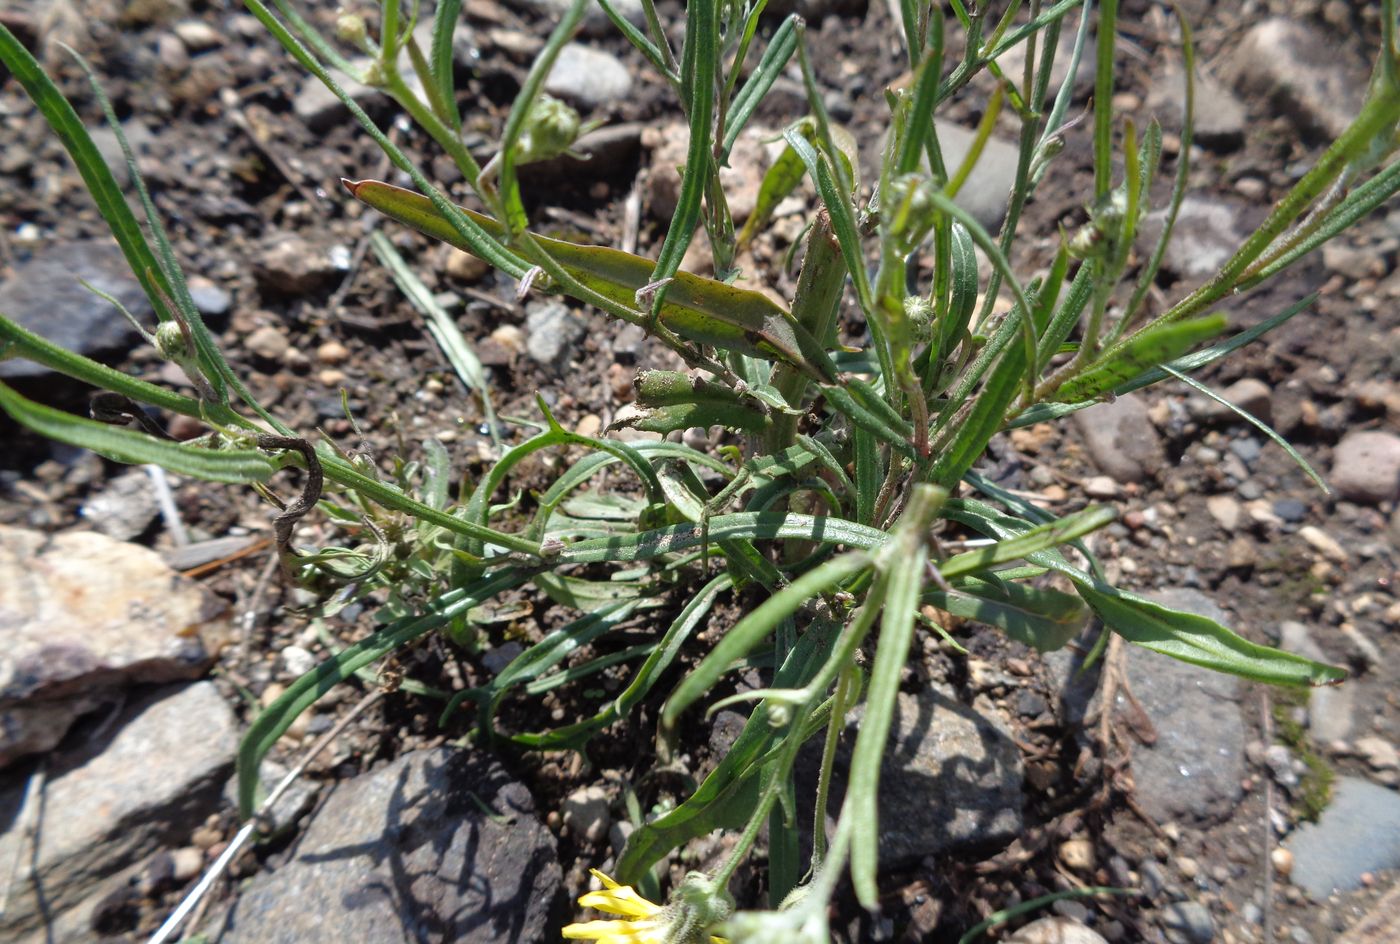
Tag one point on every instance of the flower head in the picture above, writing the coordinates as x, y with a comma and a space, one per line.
639, 921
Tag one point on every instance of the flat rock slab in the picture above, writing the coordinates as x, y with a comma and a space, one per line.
950, 779
988, 187
146, 781
1358, 832
439, 846
45, 296
1121, 439
1300, 73
83, 616
1194, 769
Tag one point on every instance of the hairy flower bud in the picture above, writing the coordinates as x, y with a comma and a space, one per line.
551, 129
351, 28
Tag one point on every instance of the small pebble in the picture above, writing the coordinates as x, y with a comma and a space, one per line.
586, 813
1323, 543
1282, 860
268, 343
332, 352
620, 382
298, 661
205, 837
1077, 854
1101, 486
509, 337
186, 863
590, 425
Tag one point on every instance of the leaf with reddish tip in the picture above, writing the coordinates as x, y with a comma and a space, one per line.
696, 308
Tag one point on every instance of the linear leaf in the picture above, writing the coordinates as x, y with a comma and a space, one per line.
1201, 641
1143, 351
1037, 539
130, 446
1043, 618
697, 308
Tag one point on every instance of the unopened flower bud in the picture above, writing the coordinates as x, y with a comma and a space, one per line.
170, 341
351, 28
550, 130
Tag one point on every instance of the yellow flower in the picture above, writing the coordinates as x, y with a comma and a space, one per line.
640, 921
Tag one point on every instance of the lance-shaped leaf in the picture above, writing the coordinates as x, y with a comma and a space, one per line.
696, 308
670, 400
1040, 617
1201, 641
129, 446
1142, 352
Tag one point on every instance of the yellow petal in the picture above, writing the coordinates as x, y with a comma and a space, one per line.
617, 932
607, 882
621, 900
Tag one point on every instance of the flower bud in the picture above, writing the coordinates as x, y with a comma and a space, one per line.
351, 28
551, 129
170, 341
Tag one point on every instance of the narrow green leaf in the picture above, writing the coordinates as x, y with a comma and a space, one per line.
699, 60
1042, 618
274, 721
755, 627
129, 446
444, 29
1258, 424
1143, 351
906, 559
1036, 539
1201, 641
697, 308
756, 87
729, 794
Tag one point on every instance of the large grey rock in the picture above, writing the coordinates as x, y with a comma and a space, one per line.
45, 296
441, 845
1206, 234
588, 77
82, 616
142, 783
986, 189
1366, 466
1121, 439
1194, 768
1359, 832
1299, 72
1219, 117
950, 779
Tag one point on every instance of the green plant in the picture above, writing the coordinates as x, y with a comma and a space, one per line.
854, 458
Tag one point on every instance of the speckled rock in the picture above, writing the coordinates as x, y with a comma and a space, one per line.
438, 846
1194, 768
1121, 439
44, 295
83, 616
143, 782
